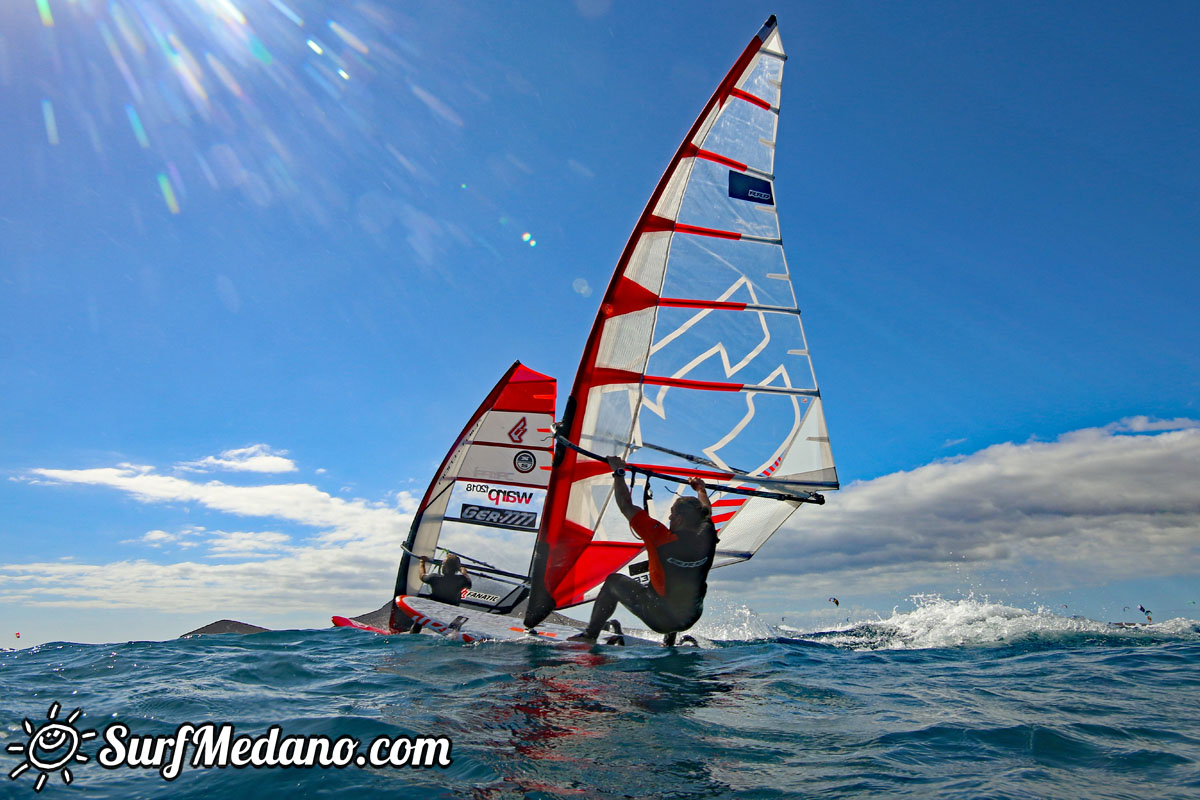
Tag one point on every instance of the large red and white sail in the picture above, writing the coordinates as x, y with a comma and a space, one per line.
697, 363
486, 500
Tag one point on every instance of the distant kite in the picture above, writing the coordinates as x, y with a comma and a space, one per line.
1145, 611
834, 600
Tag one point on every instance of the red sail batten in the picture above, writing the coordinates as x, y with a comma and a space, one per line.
683, 383
693, 151
683, 302
749, 98
656, 224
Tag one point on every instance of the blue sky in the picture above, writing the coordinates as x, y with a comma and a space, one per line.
990, 212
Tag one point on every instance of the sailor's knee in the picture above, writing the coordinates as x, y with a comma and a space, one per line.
617, 583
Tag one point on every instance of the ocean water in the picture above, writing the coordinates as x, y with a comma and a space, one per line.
955, 699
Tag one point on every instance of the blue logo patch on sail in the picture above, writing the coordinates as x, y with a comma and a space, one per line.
747, 187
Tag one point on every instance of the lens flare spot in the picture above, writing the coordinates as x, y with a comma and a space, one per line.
348, 37
259, 50
135, 122
316, 48
44, 11
345, 76
525, 237
231, 11
51, 124
287, 12
225, 76
164, 183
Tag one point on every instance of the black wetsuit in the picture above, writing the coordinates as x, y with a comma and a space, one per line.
678, 566
446, 589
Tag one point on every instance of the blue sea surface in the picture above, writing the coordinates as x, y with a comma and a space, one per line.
956, 699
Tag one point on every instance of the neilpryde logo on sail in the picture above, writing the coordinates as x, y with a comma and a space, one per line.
747, 187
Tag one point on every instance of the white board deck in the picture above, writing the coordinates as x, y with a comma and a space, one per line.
473, 625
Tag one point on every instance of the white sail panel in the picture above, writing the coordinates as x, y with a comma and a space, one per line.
648, 263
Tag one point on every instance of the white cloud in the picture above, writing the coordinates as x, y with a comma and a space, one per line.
244, 543
298, 502
255, 458
1094, 506
1142, 424
158, 538
347, 564
220, 544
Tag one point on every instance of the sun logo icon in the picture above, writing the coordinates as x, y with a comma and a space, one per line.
53, 746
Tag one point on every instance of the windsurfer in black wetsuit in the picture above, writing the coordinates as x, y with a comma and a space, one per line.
679, 560
448, 586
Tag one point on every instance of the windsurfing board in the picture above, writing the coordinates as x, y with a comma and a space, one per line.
345, 622
473, 625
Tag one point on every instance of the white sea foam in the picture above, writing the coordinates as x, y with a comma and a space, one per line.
939, 622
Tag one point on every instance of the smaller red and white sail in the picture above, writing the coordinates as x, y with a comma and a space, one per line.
486, 500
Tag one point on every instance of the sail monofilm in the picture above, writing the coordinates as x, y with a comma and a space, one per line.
697, 363
486, 500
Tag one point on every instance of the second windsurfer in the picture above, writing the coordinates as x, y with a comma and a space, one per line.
680, 557
448, 586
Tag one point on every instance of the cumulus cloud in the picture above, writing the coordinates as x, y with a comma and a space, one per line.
1093, 506
345, 520
1096, 505
255, 458
347, 562
246, 543
159, 538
